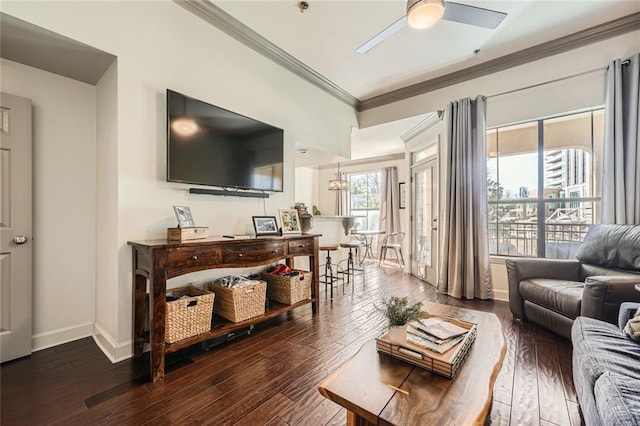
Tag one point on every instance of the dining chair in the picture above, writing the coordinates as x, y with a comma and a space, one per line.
392, 241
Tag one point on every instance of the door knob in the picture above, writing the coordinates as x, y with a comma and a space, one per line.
20, 239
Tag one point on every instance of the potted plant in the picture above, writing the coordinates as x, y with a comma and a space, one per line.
399, 313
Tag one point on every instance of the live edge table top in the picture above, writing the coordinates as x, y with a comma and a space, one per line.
365, 384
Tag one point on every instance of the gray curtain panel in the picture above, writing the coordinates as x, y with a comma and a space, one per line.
389, 199
621, 174
464, 270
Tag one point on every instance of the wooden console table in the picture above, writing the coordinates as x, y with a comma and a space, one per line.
155, 261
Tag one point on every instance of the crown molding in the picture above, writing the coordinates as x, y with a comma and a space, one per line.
429, 121
245, 35
573, 41
361, 161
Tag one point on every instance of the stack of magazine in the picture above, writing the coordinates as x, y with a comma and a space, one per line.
435, 334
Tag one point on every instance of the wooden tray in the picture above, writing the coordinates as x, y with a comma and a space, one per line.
446, 364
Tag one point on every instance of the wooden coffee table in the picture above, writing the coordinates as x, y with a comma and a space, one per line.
367, 384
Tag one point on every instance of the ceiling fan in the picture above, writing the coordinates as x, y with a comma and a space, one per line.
422, 14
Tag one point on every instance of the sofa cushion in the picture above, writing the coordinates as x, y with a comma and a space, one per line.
557, 295
593, 270
598, 348
611, 246
617, 399
602, 347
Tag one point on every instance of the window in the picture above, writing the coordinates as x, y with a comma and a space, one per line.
364, 199
543, 186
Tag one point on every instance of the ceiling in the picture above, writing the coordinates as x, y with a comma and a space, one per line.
326, 35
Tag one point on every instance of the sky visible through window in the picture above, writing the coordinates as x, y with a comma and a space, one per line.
516, 171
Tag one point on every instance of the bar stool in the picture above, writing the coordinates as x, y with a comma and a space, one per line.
329, 276
351, 270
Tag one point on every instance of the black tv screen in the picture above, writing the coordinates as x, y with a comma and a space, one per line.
209, 145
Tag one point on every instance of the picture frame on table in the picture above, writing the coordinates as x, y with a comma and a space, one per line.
185, 219
402, 195
290, 221
265, 225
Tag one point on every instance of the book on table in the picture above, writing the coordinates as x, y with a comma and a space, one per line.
440, 348
438, 328
435, 334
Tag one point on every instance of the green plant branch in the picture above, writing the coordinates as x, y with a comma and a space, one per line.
398, 312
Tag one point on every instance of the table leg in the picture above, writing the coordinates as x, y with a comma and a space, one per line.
355, 420
315, 281
369, 247
157, 311
140, 309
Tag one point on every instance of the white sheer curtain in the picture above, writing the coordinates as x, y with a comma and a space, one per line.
621, 174
464, 270
389, 199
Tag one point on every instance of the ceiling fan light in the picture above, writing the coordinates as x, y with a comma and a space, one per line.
422, 14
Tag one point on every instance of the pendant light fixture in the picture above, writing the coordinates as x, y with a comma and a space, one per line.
338, 184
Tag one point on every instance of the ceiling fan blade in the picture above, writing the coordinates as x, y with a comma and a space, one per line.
383, 35
472, 15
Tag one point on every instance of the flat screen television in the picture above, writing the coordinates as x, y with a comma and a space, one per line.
209, 145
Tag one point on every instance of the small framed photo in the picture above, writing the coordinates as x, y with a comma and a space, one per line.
290, 221
185, 220
265, 225
402, 195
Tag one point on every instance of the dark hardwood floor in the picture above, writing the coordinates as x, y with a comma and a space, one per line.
271, 377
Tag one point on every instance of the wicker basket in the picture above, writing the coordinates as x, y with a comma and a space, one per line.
239, 303
190, 316
288, 290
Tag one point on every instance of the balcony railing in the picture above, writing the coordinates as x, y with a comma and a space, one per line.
561, 240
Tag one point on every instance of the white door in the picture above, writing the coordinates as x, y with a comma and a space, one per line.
15, 227
425, 221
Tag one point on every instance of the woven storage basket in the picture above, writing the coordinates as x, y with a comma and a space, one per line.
189, 316
240, 303
288, 290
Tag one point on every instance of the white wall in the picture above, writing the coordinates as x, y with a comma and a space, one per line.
306, 183
107, 214
64, 208
160, 45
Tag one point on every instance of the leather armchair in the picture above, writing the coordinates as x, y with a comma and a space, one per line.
554, 292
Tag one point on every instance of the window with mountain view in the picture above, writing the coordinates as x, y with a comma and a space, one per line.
544, 184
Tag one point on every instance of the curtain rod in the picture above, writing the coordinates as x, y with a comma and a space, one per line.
625, 62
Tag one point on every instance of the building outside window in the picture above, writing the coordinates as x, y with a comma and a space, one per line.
364, 199
544, 184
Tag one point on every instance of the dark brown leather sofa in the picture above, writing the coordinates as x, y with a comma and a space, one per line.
553, 292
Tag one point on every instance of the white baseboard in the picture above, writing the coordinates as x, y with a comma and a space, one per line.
58, 337
113, 351
501, 295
